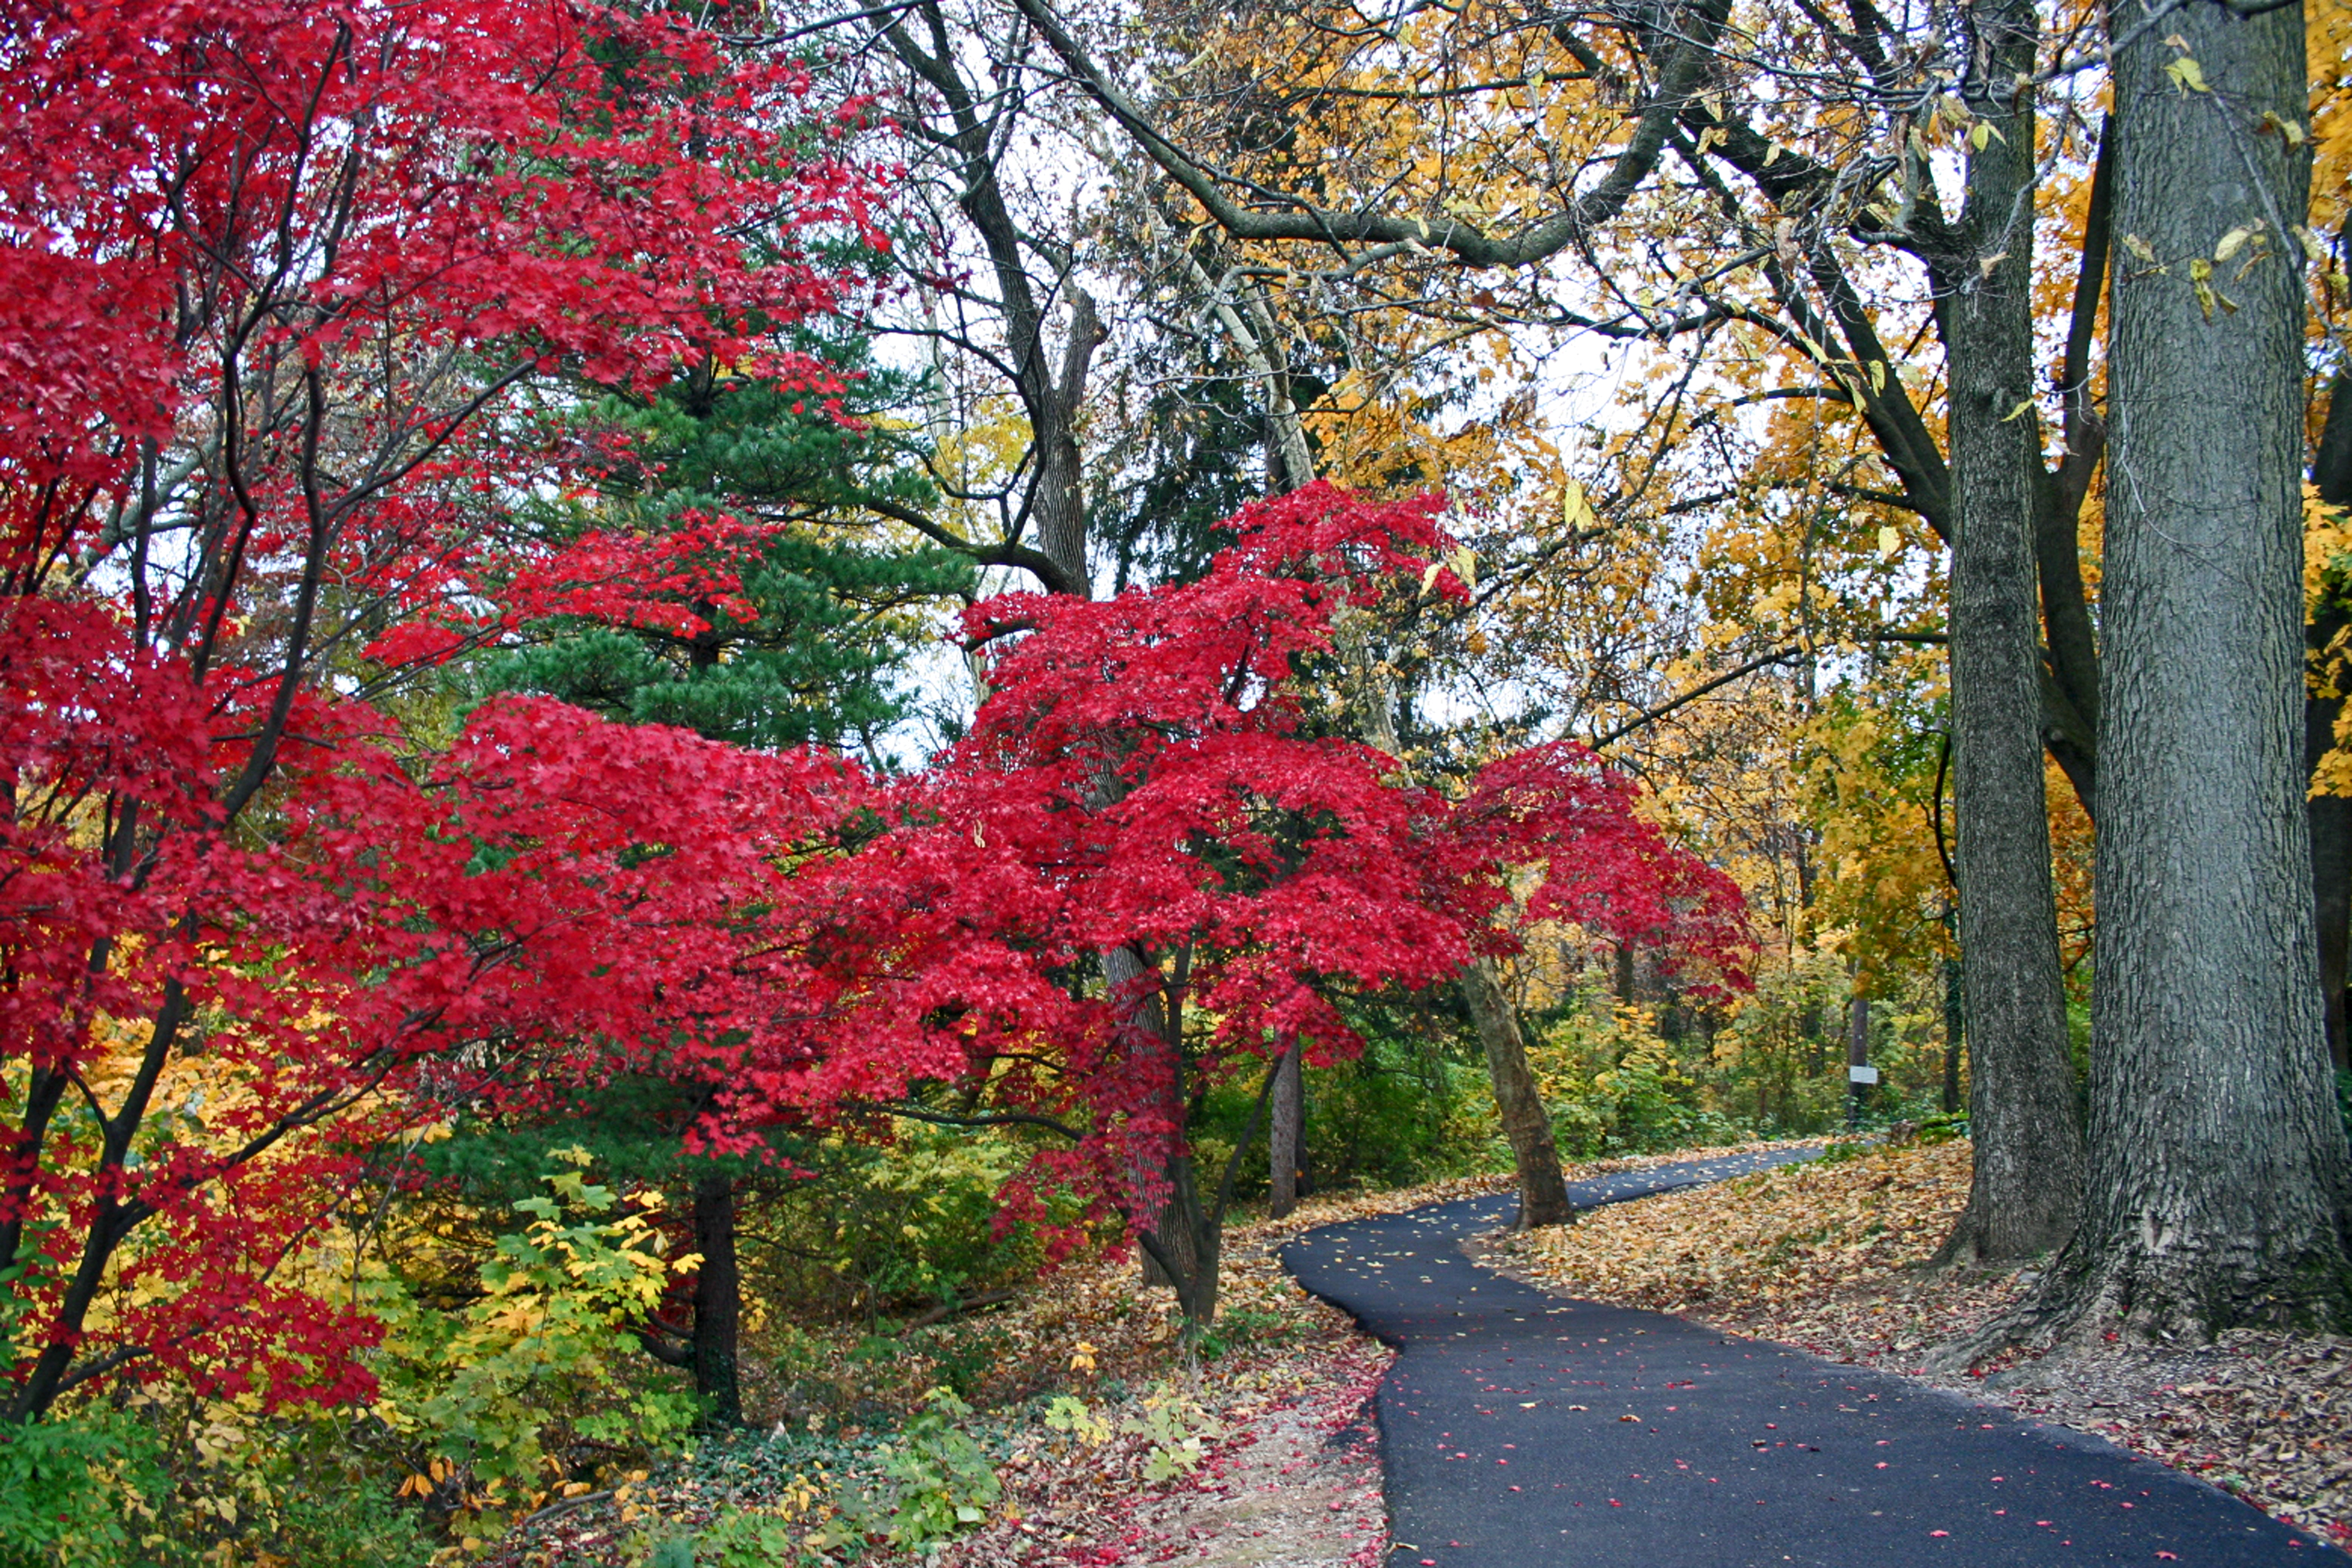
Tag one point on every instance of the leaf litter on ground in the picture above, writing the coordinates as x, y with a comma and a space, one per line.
1110, 1440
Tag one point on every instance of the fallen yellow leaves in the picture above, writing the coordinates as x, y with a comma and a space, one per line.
1793, 1231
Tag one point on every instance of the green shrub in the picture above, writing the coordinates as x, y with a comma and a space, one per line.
1614, 1086
942, 1480
542, 1362
77, 1489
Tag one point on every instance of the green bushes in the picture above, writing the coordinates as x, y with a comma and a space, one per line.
1414, 1107
1614, 1086
80, 1490
150, 1484
880, 1228
541, 1364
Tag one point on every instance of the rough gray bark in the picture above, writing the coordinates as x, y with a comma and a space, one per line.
2217, 1166
718, 1302
1543, 1191
2026, 1192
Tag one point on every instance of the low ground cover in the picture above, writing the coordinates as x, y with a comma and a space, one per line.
1068, 1425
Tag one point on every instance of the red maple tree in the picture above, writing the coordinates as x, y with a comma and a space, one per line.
1147, 827
273, 274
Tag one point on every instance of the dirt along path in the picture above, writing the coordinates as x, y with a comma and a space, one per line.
1520, 1429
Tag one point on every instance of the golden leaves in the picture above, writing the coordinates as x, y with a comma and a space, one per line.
1798, 1230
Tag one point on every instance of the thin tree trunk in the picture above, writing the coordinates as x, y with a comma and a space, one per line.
2218, 1165
718, 1302
2026, 1193
1543, 1192
1285, 1136
1857, 1055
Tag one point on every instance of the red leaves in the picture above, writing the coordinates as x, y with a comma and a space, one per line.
1142, 780
322, 181
269, 272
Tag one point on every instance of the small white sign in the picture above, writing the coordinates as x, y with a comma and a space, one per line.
1861, 1075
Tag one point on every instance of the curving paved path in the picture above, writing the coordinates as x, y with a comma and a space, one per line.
1524, 1430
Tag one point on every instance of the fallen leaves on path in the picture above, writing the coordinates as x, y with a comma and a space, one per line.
1825, 1256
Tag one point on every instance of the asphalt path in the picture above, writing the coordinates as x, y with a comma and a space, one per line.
1520, 1429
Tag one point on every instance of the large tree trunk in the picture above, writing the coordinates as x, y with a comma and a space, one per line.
2026, 1192
717, 1301
2218, 1167
1543, 1192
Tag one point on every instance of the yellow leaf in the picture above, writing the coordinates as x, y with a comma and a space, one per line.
1574, 510
1889, 540
2188, 75
2232, 243
2023, 406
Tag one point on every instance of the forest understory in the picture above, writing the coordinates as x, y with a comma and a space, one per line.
1258, 1448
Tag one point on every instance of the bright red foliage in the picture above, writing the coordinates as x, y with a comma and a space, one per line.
270, 271
1146, 782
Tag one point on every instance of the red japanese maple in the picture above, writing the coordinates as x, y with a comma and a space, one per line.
271, 273
1147, 798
